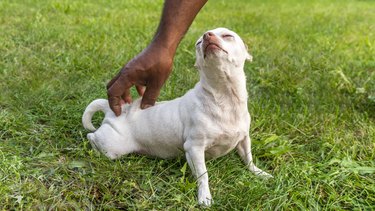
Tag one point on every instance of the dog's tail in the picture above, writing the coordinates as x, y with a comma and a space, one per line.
92, 108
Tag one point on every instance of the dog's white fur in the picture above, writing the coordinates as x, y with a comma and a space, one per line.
207, 122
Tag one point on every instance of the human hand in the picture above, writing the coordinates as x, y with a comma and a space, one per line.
148, 71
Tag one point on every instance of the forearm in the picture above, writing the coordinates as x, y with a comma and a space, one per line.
176, 19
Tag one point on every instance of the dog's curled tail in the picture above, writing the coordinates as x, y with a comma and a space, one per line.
91, 109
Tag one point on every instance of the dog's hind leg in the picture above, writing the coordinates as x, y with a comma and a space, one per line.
110, 143
244, 150
91, 138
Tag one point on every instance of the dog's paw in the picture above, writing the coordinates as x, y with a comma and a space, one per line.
259, 172
205, 198
264, 175
205, 202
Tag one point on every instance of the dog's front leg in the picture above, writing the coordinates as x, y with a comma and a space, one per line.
244, 150
196, 161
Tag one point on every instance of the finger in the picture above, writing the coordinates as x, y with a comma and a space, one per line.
115, 105
127, 96
116, 91
151, 94
111, 82
140, 89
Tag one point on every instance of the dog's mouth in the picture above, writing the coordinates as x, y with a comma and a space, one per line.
212, 47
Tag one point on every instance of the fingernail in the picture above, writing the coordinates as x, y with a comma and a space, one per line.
146, 106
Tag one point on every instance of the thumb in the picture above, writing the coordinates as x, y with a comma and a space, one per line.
151, 94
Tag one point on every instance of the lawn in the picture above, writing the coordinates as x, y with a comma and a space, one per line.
311, 97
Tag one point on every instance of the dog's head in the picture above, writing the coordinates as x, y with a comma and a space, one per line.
221, 46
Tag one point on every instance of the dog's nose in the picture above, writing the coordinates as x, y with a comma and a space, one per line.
208, 35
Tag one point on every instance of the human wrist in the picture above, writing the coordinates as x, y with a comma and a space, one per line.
166, 42
164, 49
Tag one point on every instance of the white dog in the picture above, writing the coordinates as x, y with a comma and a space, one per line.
207, 122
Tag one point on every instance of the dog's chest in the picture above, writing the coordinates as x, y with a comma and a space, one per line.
226, 128
224, 141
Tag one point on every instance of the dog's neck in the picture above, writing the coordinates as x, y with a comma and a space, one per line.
225, 82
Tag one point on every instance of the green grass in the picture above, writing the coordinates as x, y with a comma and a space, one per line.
311, 96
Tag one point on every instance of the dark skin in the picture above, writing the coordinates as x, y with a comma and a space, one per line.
149, 70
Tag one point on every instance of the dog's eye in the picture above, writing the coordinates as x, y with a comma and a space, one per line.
199, 42
226, 36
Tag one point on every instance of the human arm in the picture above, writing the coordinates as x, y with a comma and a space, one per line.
152, 66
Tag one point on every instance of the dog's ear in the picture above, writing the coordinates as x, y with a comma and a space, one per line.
249, 57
